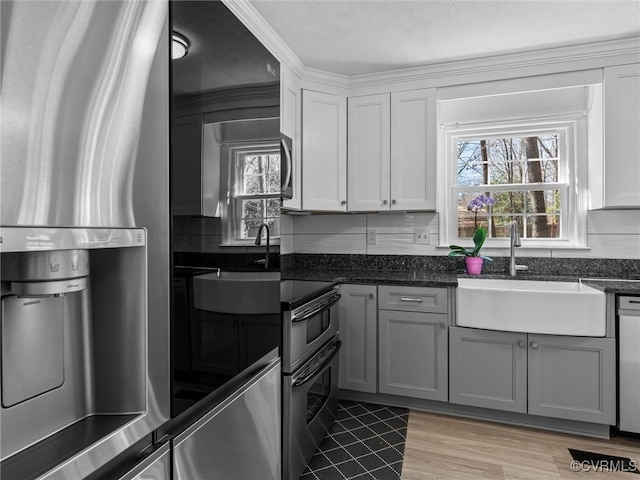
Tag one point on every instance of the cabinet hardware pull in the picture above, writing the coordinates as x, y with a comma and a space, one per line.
442, 325
384, 202
521, 344
371, 296
408, 299
393, 202
534, 345
343, 202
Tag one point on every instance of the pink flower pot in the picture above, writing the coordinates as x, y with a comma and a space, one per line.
474, 265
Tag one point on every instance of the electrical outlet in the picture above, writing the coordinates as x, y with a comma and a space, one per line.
422, 236
372, 236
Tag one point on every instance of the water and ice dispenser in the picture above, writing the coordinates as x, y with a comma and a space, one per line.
74, 339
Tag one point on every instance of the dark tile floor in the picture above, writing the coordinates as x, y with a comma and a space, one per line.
365, 442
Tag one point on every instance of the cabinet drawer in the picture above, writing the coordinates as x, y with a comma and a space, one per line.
629, 303
412, 299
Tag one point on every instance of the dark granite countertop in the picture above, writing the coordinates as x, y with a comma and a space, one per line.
448, 279
619, 286
391, 277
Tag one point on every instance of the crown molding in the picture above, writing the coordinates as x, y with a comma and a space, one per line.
336, 80
591, 54
244, 97
556, 59
257, 25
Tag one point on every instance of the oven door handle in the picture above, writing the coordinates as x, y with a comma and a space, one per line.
319, 308
298, 382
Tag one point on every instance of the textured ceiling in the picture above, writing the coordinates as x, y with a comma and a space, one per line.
365, 36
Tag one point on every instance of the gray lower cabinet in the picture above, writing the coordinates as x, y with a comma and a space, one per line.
413, 354
554, 376
573, 378
488, 369
357, 311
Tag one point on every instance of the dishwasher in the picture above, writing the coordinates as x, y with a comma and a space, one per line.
629, 364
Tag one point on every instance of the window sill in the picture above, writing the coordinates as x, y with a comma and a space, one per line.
251, 243
527, 247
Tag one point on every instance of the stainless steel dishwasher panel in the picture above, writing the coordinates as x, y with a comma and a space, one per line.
239, 439
629, 364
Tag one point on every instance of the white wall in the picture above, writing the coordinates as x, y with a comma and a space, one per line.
610, 234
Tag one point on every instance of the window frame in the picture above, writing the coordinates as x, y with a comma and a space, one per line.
572, 181
233, 200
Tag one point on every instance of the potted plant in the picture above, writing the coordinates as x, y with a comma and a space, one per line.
472, 257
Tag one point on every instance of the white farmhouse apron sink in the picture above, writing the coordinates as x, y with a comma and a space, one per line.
530, 306
238, 292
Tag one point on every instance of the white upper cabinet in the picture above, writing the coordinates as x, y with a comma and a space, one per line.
369, 153
392, 151
290, 125
621, 127
324, 152
413, 150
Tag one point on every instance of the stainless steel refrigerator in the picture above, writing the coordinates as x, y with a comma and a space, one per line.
90, 347
85, 232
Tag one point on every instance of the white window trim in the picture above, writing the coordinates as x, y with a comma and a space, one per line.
230, 202
573, 129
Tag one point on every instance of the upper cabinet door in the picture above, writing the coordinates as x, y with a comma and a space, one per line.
413, 150
291, 126
324, 152
622, 124
186, 174
369, 153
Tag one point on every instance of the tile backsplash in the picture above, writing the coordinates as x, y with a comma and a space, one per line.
611, 234
197, 242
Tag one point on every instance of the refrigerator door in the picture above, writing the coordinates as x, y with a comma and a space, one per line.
239, 439
84, 144
156, 466
151, 463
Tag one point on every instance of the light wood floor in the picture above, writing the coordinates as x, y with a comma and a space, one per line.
442, 447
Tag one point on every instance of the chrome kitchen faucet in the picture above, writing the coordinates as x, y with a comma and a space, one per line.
259, 242
514, 242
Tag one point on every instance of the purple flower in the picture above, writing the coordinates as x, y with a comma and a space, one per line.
480, 201
475, 204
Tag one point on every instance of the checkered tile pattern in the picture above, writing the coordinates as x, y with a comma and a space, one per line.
365, 442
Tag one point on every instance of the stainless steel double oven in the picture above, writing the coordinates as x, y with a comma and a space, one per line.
310, 369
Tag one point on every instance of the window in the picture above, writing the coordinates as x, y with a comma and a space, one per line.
255, 190
526, 173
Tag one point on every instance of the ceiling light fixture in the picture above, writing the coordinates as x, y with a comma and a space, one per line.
179, 46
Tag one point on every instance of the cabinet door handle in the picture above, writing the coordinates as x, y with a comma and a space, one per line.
534, 345
393, 202
371, 296
343, 202
384, 202
522, 344
443, 325
409, 299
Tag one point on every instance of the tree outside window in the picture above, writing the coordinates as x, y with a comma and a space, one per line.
525, 175
256, 192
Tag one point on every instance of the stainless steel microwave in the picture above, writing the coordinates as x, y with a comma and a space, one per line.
286, 166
